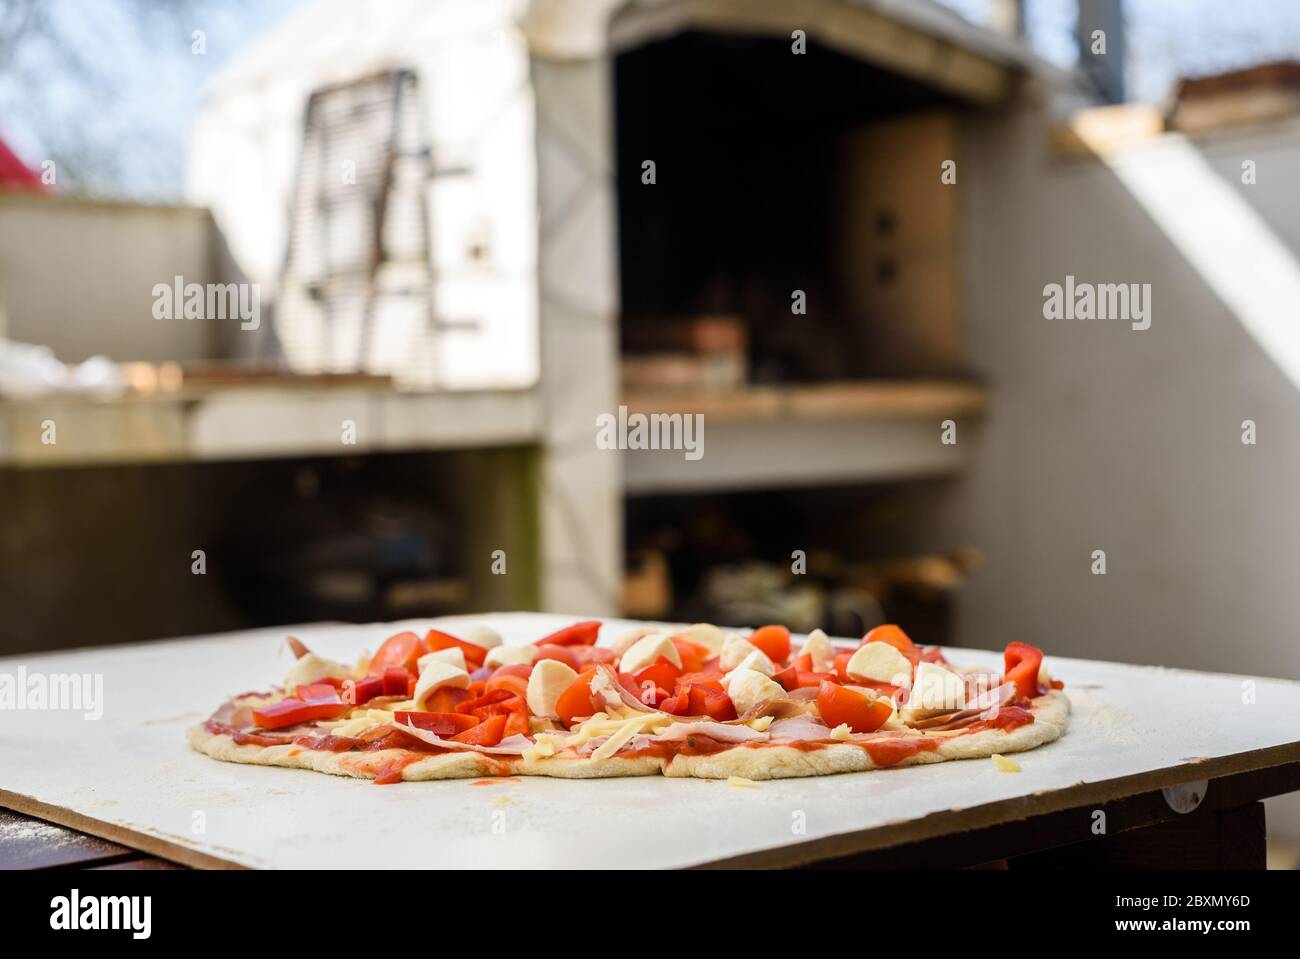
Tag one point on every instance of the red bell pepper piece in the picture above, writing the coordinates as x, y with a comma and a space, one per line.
708, 677
787, 678
692, 655
659, 673
774, 641
517, 723
440, 724
403, 649
559, 653
515, 704
446, 699
894, 636
1022, 664
809, 678
839, 704
291, 712
435, 640
579, 634
487, 733
714, 703
803, 662
397, 681
841, 666
576, 701
314, 693
586, 656
365, 690
679, 705
486, 699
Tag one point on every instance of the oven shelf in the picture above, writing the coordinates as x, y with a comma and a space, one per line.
806, 435
261, 421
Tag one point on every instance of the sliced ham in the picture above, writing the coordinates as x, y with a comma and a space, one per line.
237, 717
639, 741
606, 685
985, 707
798, 728
776, 708
722, 732
510, 746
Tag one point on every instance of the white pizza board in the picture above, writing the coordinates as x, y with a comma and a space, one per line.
131, 777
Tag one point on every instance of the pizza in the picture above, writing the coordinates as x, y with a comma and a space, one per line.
693, 701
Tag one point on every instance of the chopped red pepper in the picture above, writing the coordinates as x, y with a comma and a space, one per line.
714, 703
397, 681
894, 636
576, 701
366, 690
440, 724
839, 705
435, 640
1022, 664
774, 641
705, 677
403, 649
517, 723
291, 712
558, 653
660, 673
787, 678
487, 733
692, 654
586, 656
579, 634
486, 699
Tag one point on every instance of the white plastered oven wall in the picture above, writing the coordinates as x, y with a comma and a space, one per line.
534, 131
1102, 437
474, 86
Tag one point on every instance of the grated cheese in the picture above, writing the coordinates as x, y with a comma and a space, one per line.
619, 739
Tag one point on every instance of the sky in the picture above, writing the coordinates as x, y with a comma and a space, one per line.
110, 88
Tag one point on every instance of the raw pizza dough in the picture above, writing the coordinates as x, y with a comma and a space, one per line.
760, 761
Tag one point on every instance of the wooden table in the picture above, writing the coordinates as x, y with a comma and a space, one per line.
30, 843
1135, 731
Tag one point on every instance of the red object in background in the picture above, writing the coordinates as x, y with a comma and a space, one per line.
16, 175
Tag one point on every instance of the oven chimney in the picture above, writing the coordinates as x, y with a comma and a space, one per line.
1099, 32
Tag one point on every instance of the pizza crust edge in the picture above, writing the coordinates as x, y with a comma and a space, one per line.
1051, 716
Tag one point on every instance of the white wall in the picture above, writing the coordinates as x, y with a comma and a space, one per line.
1101, 437
78, 276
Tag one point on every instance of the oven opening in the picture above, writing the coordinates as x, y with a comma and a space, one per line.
792, 232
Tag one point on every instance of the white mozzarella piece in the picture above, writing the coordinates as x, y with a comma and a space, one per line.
705, 634
748, 688
880, 663
758, 662
734, 650
436, 675
510, 656
646, 651
622, 643
454, 656
482, 636
311, 668
548, 680
934, 687
819, 647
